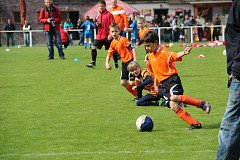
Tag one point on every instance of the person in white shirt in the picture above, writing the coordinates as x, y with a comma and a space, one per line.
26, 28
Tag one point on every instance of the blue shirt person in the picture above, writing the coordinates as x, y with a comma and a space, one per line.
88, 27
134, 36
68, 26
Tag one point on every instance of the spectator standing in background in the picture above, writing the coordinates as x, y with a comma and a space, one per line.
10, 27
156, 21
68, 26
206, 32
51, 18
216, 30
26, 29
176, 24
80, 33
200, 21
187, 31
167, 32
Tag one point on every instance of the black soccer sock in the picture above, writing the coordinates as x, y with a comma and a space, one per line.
94, 56
115, 57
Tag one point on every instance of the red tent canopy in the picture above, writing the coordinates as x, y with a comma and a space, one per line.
92, 12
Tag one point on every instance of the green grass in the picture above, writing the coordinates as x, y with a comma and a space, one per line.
61, 110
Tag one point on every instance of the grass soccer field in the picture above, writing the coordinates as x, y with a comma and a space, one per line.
61, 110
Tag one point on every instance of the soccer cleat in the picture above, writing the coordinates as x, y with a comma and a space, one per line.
50, 58
90, 65
135, 99
206, 107
194, 126
161, 102
62, 57
116, 65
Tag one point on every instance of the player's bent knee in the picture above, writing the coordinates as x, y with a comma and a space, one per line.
94, 47
173, 106
175, 98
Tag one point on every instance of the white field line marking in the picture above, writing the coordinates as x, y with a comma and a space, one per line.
97, 152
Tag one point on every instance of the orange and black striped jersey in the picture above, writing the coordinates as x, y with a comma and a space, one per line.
162, 63
123, 47
140, 79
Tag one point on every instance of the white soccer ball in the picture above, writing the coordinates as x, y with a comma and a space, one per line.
7, 50
144, 123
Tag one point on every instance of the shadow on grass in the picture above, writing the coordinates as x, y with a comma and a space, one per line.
195, 75
212, 126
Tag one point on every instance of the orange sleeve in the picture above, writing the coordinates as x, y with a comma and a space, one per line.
125, 20
111, 50
173, 56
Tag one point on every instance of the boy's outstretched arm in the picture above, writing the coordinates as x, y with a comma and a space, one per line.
108, 65
141, 86
185, 52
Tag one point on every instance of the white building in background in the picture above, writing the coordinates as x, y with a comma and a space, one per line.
208, 8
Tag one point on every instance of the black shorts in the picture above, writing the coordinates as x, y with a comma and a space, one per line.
100, 43
125, 74
170, 86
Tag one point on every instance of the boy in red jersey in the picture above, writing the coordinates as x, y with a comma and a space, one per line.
126, 52
166, 74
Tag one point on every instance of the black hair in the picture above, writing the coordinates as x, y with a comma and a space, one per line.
150, 37
103, 3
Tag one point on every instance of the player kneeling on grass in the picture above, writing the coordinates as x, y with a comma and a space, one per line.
144, 79
126, 52
166, 74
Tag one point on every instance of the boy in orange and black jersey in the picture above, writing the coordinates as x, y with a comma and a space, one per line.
165, 72
144, 79
141, 23
126, 52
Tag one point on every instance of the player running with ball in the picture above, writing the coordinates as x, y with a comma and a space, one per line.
166, 74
